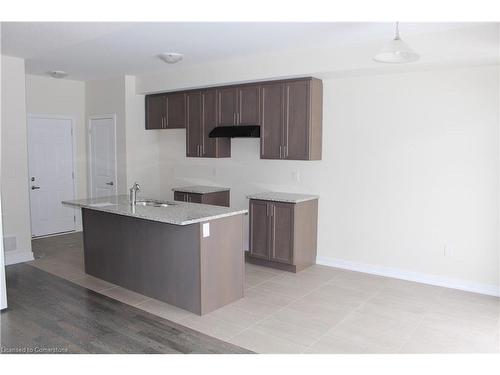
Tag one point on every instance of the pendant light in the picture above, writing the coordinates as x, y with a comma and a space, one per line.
396, 51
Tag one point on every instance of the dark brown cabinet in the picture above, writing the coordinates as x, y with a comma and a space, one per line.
291, 124
259, 229
155, 111
166, 111
239, 105
201, 119
283, 235
176, 111
218, 198
273, 118
194, 124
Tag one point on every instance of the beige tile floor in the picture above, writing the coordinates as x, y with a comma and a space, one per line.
319, 310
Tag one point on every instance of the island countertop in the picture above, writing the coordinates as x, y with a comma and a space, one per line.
177, 213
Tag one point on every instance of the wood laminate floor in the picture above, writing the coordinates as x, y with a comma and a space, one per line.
48, 314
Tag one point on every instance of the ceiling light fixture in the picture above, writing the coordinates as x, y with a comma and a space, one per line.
396, 51
58, 74
171, 57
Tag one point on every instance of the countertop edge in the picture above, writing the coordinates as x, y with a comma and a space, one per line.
284, 200
186, 222
186, 189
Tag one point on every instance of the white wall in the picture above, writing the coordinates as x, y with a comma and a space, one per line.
410, 165
63, 97
142, 146
14, 178
105, 97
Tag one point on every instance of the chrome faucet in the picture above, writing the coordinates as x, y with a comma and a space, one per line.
133, 193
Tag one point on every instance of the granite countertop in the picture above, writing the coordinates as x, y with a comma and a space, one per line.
283, 197
200, 189
178, 213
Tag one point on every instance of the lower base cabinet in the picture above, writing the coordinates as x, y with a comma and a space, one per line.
219, 198
283, 235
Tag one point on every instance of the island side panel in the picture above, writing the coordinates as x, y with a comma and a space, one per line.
222, 263
159, 260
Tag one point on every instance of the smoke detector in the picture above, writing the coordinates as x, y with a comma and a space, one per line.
58, 74
171, 57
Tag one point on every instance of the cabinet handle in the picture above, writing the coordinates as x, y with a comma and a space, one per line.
285, 151
234, 118
280, 151
238, 118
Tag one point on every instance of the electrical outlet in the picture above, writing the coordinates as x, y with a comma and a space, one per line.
296, 176
214, 172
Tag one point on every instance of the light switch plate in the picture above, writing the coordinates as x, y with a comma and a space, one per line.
206, 230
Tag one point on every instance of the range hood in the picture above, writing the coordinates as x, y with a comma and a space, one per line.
236, 131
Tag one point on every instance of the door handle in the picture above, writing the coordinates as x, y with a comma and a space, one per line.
110, 183
33, 187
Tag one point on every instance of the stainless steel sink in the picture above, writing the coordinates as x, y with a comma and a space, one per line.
154, 203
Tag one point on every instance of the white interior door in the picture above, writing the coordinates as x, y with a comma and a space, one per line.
103, 156
50, 157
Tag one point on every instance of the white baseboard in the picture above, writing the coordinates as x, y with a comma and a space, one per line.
447, 282
18, 256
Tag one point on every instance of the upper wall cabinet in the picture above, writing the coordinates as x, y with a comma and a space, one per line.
289, 113
201, 119
176, 111
155, 111
166, 111
239, 105
291, 123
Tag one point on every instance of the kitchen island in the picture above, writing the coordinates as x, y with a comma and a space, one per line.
189, 255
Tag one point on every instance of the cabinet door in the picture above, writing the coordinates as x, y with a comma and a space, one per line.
228, 104
193, 197
219, 198
282, 232
194, 124
180, 196
155, 111
271, 129
209, 145
176, 111
297, 120
249, 105
259, 229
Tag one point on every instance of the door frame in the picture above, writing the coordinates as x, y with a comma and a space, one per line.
89, 159
30, 116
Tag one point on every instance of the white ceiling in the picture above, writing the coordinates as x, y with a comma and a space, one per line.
96, 50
